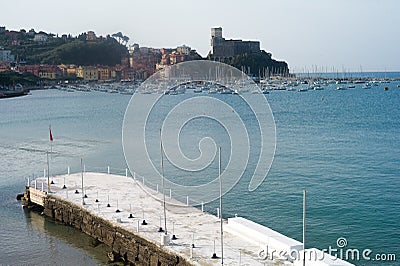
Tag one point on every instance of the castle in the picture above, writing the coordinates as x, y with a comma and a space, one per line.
222, 48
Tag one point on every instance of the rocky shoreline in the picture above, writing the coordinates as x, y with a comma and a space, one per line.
126, 246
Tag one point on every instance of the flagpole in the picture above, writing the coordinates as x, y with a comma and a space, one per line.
220, 206
51, 153
48, 172
162, 173
304, 227
51, 142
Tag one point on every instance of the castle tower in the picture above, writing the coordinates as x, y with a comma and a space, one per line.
216, 32
216, 40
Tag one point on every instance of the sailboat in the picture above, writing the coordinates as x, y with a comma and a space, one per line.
367, 86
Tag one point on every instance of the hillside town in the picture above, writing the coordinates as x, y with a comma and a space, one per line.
135, 63
138, 64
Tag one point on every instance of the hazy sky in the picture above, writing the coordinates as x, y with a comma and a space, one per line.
344, 34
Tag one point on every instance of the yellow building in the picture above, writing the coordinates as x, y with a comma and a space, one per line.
71, 70
104, 73
113, 73
67, 70
47, 75
87, 73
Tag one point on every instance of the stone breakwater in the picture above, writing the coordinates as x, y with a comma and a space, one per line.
131, 247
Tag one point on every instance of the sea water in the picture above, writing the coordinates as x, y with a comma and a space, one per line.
343, 147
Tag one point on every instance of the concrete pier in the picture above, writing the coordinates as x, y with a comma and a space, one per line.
112, 200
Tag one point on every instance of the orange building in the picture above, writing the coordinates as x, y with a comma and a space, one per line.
42, 71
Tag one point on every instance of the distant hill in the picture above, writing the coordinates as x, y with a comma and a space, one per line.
63, 50
105, 52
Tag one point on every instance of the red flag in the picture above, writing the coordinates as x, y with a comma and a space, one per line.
51, 135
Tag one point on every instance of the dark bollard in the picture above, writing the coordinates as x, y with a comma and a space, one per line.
214, 255
144, 222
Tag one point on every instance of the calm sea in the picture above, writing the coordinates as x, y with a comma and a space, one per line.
342, 146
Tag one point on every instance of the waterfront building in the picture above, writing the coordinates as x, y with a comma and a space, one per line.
88, 73
34, 69
47, 74
127, 73
174, 56
42, 71
68, 70
143, 61
103, 73
71, 70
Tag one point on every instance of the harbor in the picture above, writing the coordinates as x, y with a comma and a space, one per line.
297, 83
115, 210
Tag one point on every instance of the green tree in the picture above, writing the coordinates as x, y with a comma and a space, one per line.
122, 39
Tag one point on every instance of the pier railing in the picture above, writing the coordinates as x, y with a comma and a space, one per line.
155, 189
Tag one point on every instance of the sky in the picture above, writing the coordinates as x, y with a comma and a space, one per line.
310, 35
